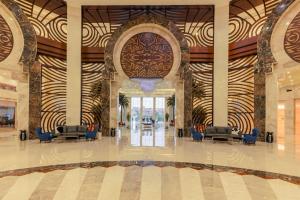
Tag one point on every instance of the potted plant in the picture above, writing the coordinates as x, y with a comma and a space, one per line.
128, 116
171, 102
199, 113
167, 119
123, 103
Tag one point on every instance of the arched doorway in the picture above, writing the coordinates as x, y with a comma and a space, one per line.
129, 66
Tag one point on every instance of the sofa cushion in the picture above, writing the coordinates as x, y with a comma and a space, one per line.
82, 129
65, 129
210, 130
221, 130
72, 129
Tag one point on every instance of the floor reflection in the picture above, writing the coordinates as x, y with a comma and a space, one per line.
148, 137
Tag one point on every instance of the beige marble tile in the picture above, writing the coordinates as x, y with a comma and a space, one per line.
151, 183
259, 188
131, 187
48, 185
234, 186
211, 185
191, 186
24, 186
284, 190
70, 185
171, 188
112, 183
6, 183
92, 183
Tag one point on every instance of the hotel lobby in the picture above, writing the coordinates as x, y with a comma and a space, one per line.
139, 99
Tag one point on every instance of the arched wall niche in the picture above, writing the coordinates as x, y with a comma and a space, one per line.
21, 67
116, 78
29, 37
284, 76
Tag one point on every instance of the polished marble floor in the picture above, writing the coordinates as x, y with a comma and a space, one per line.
136, 182
144, 183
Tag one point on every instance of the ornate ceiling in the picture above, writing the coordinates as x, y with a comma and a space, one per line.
292, 39
48, 17
196, 22
146, 55
6, 39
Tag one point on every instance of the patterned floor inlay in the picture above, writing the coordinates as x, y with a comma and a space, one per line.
197, 166
144, 183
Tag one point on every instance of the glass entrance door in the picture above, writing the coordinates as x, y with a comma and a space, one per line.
147, 116
147, 121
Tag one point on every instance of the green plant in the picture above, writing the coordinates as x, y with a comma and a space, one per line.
167, 117
128, 116
99, 103
199, 115
123, 103
198, 92
171, 103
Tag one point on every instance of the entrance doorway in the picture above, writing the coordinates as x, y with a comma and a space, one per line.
146, 111
147, 121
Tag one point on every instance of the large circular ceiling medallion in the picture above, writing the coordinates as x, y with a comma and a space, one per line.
6, 39
292, 39
147, 55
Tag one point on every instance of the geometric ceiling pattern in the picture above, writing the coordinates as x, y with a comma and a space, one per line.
195, 22
247, 17
48, 17
292, 39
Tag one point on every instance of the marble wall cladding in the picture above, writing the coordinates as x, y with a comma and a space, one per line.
22, 113
106, 110
260, 104
35, 98
30, 46
264, 65
188, 102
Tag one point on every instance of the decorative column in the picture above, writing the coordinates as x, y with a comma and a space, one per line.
188, 103
114, 104
220, 80
73, 107
272, 102
179, 104
34, 98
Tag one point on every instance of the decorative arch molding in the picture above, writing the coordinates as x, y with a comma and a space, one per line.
147, 19
264, 52
30, 41
112, 69
264, 65
31, 69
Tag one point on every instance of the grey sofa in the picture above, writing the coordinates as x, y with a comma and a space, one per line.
218, 132
72, 131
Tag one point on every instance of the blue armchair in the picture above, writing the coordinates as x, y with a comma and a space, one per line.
251, 138
46, 137
196, 135
91, 134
